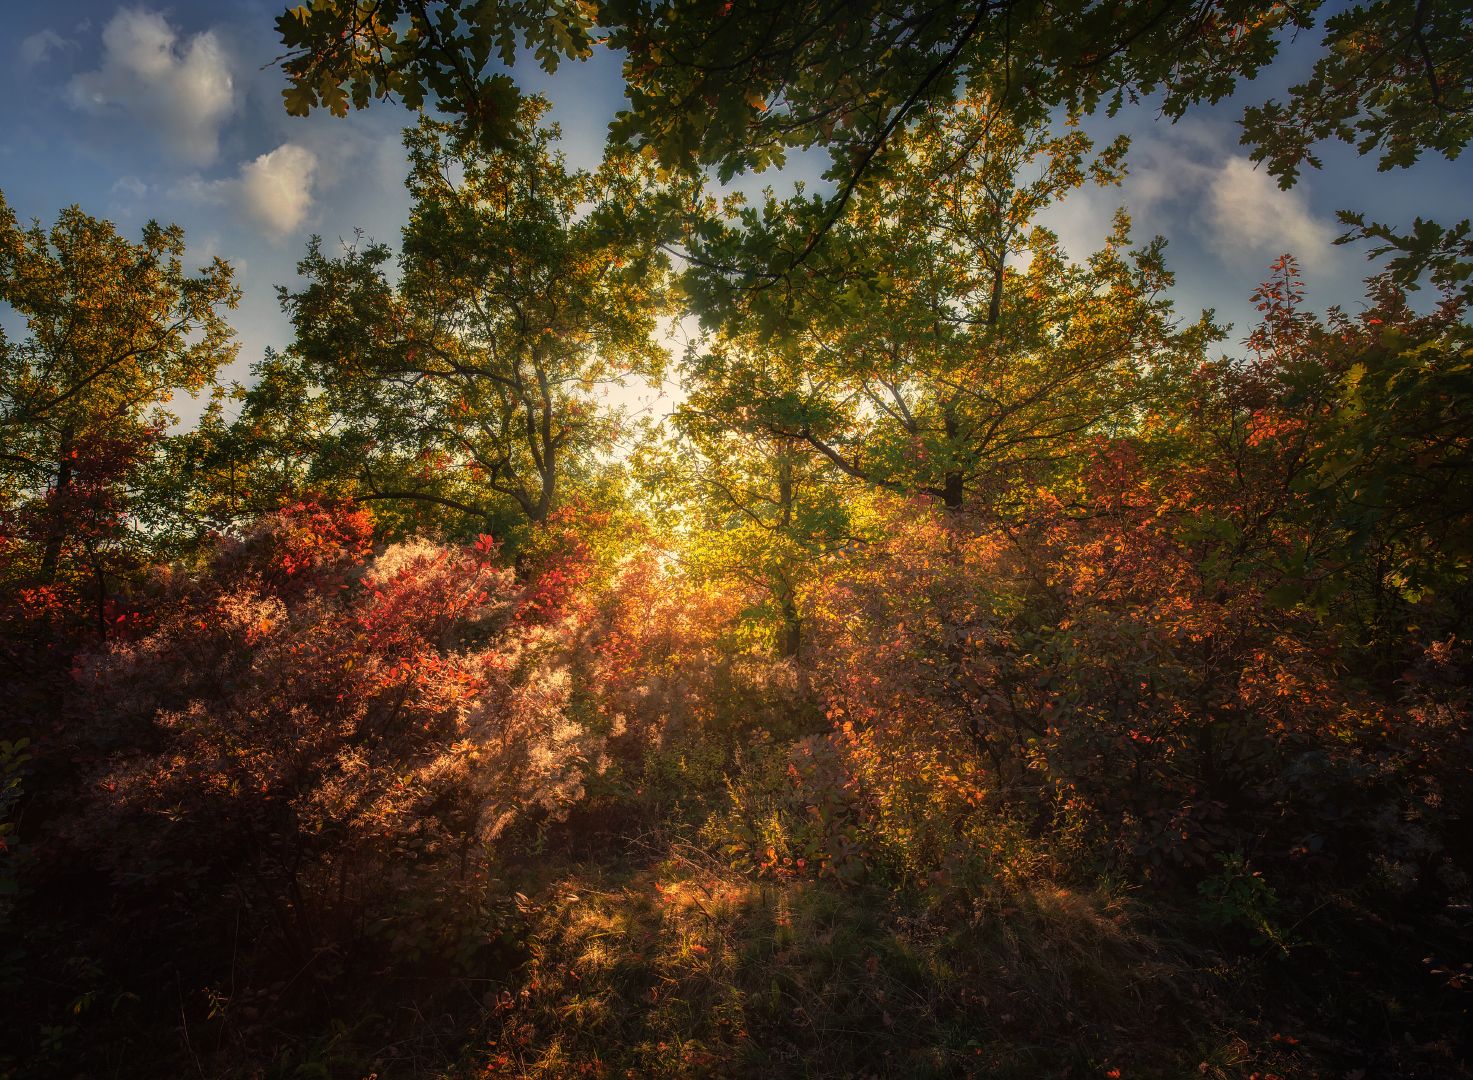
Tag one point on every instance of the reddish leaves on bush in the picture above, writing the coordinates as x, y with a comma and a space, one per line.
336, 730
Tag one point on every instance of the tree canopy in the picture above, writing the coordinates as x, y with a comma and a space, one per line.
113, 330
524, 289
736, 87
973, 668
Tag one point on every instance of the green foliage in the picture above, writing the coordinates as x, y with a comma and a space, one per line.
758, 512
915, 356
972, 678
113, 330
279, 449
1398, 446
1239, 896
1393, 79
353, 51
1442, 254
471, 385
732, 86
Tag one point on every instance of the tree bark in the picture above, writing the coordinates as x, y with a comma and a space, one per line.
953, 484
56, 532
792, 626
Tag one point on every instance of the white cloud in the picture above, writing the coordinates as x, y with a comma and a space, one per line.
276, 188
273, 191
129, 187
1188, 179
181, 87
1250, 215
37, 49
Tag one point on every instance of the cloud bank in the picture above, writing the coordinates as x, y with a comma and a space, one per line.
180, 88
1185, 179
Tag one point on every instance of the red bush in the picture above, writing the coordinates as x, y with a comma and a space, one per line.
341, 735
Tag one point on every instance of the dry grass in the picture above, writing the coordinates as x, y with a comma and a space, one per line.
685, 969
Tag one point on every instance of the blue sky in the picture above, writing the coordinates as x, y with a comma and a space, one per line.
172, 111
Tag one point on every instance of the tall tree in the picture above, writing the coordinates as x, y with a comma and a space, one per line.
473, 383
761, 510
712, 84
113, 329
735, 86
942, 344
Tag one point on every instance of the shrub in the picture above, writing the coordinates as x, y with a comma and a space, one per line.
335, 739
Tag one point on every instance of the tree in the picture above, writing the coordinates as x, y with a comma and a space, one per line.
1393, 78
524, 287
113, 329
738, 85
359, 50
1348, 486
762, 511
942, 344
277, 451
732, 87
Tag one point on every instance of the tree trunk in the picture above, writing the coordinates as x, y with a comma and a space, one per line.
56, 532
953, 491
792, 628
953, 485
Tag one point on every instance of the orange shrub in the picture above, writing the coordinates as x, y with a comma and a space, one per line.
332, 737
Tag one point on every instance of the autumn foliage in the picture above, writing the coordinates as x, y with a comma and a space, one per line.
343, 734
325, 749
981, 670
1174, 660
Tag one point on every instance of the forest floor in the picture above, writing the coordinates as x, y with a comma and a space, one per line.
665, 963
